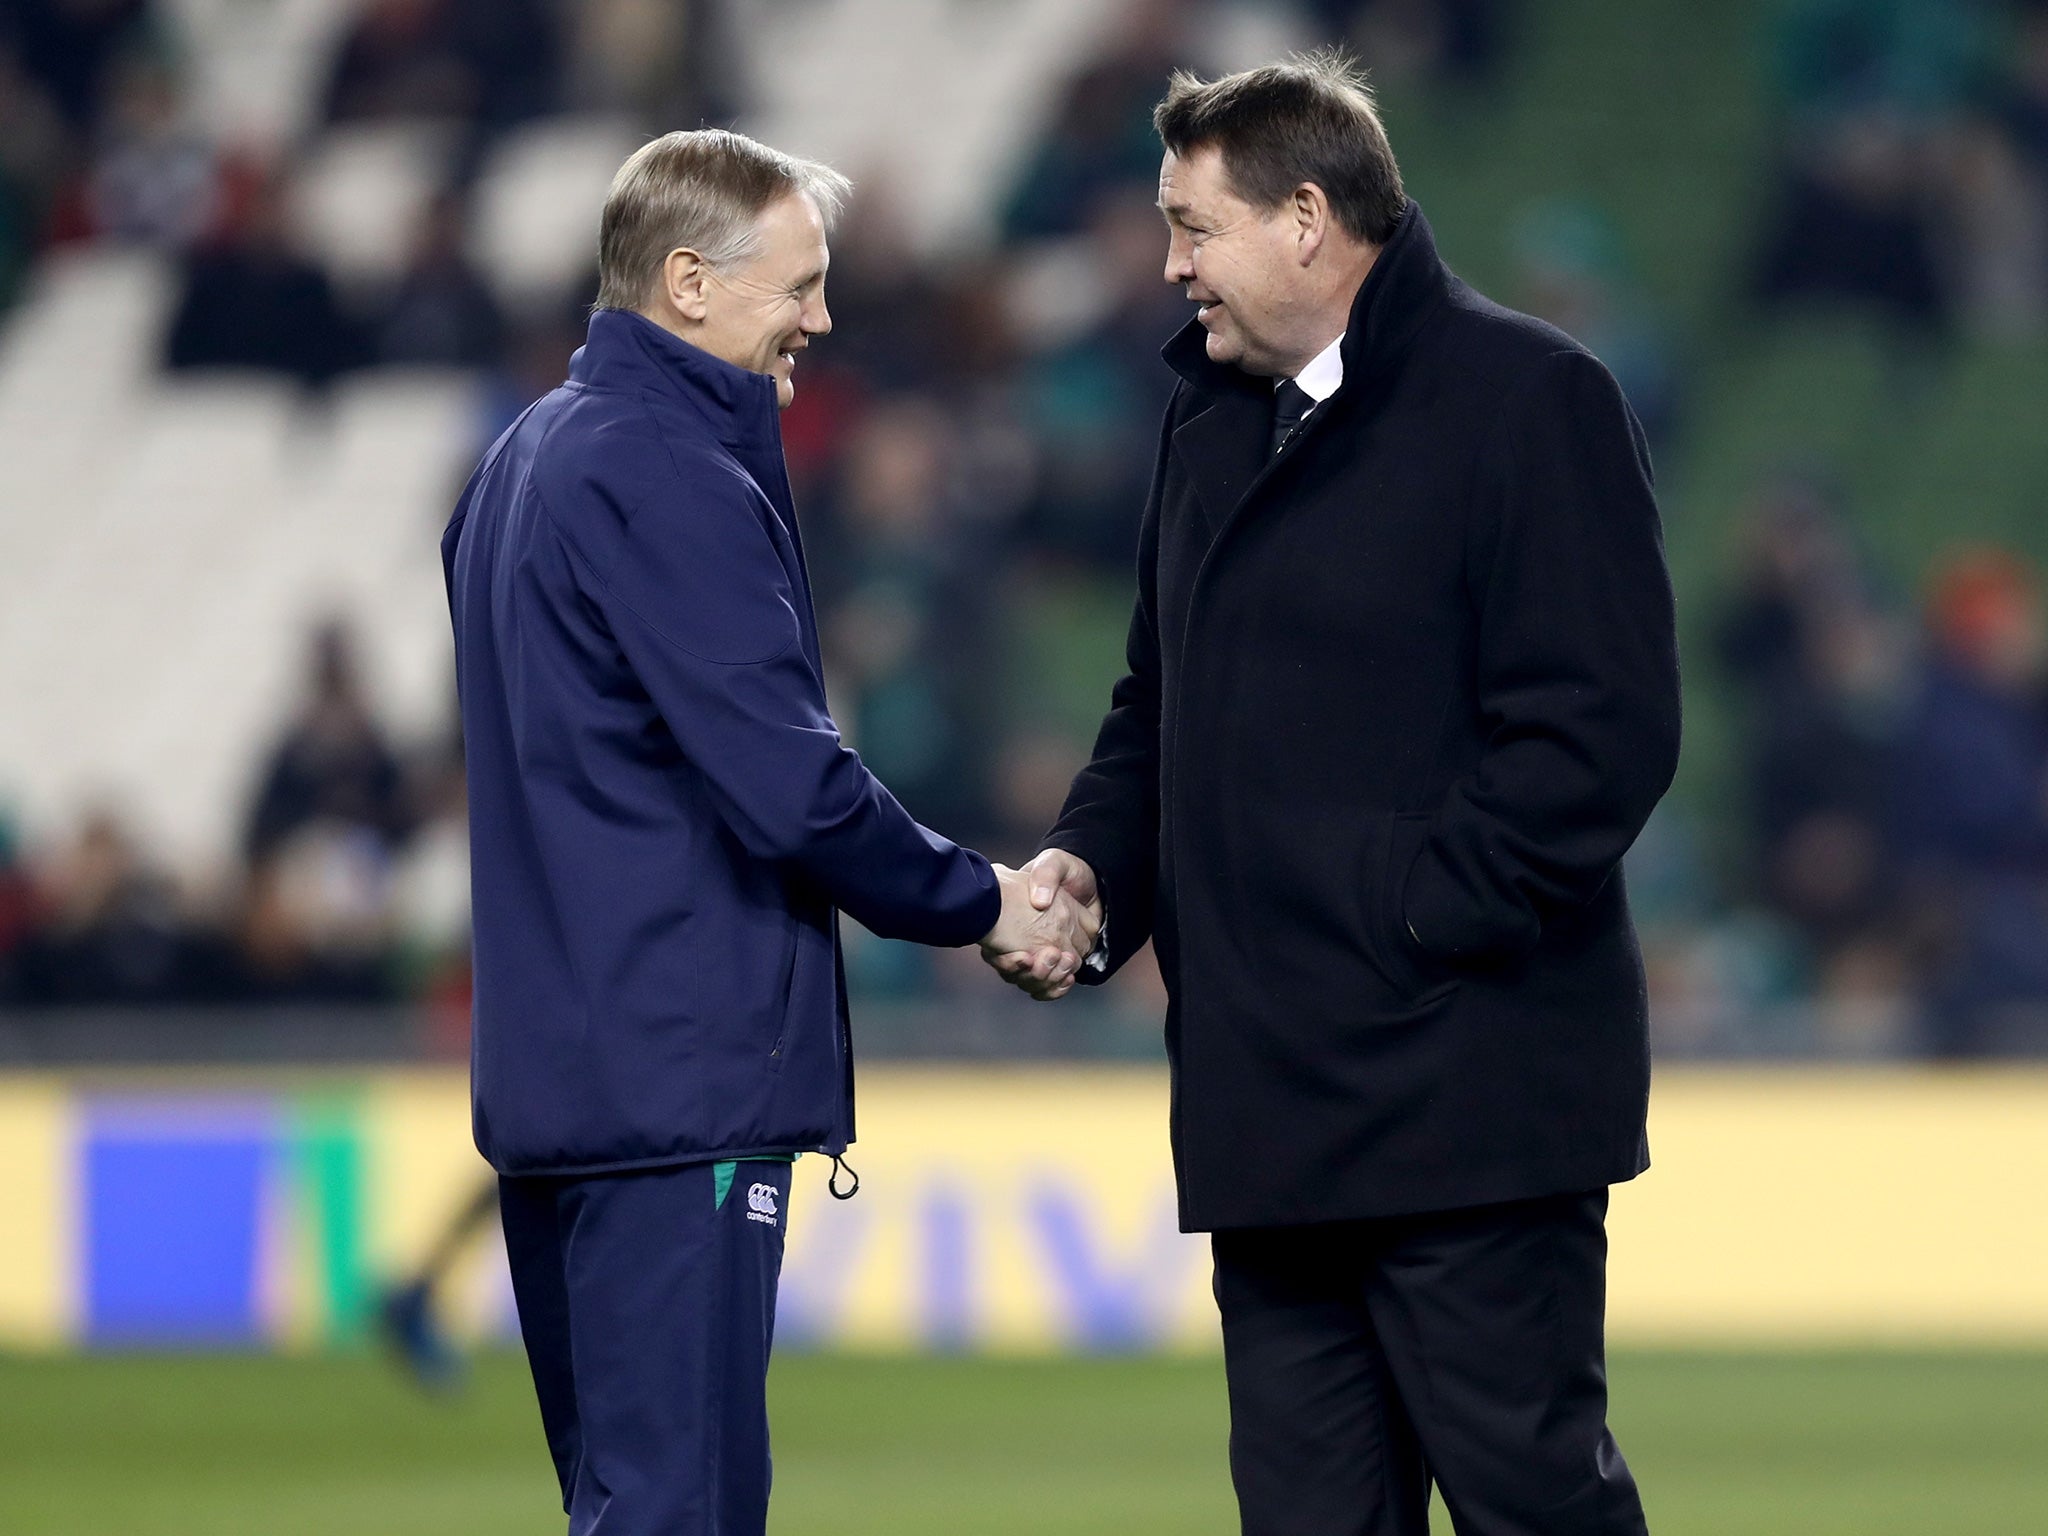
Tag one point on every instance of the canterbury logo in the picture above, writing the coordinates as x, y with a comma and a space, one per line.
761, 1203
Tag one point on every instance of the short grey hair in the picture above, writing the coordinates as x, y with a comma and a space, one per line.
705, 191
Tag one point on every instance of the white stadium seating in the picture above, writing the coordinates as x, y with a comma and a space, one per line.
167, 543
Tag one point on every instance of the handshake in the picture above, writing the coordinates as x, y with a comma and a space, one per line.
1052, 912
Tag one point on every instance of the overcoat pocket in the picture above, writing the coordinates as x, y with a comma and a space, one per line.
1413, 973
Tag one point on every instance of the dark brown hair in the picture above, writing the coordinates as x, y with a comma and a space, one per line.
1310, 119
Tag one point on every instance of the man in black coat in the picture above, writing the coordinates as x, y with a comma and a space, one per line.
1402, 690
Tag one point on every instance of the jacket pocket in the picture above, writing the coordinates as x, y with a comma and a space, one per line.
788, 1001
1413, 973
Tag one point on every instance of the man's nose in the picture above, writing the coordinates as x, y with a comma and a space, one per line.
816, 319
1180, 263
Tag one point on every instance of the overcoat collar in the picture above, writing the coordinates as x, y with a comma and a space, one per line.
1224, 444
628, 351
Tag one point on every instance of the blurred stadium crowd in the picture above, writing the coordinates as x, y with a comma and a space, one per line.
970, 451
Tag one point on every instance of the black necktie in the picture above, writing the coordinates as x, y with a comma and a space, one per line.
1290, 404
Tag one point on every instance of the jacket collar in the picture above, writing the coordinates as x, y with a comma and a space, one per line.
1406, 284
627, 351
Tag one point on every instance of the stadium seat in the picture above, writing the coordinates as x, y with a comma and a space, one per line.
537, 203
360, 197
856, 96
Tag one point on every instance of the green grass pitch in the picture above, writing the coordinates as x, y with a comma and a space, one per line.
1846, 1444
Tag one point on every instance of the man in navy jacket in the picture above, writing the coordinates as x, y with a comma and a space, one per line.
664, 826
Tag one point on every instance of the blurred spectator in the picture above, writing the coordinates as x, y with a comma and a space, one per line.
431, 59
153, 179
488, 64
33, 161
1995, 170
314, 924
441, 312
1821, 668
67, 46
2026, 105
108, 926
251, 300
1998, 206
430, 909
1098, 396
1852, 227
976, 351
515, 52
1100, 141
1800, 570
1919, 59
675, 62
906, 588
1899, 184
1973, 810
332, 765
398, 60
319, 912
1574, 274
17, 907
883, 298
1461, 41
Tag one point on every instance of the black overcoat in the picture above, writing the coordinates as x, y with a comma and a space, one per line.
1398, 701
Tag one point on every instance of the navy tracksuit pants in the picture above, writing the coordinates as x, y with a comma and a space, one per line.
647, 1303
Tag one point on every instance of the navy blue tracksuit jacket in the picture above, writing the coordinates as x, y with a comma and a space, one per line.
663, 819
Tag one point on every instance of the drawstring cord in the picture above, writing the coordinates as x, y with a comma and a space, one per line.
840, 1165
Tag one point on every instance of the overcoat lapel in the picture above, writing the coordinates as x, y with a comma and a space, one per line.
1224, 448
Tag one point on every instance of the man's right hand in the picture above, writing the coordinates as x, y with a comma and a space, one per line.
1055, 880
1047, 928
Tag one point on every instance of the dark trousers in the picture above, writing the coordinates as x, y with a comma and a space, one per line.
647, 1303
1366, 1358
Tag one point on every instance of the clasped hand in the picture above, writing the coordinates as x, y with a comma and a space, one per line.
1052, 912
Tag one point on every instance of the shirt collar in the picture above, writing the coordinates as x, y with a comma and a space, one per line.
1324, 373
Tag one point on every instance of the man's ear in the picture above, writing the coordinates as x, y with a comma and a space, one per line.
1310, 208
683, 273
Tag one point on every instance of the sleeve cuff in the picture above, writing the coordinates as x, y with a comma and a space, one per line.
1097, 959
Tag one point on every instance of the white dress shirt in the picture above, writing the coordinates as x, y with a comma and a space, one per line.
1319, 380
